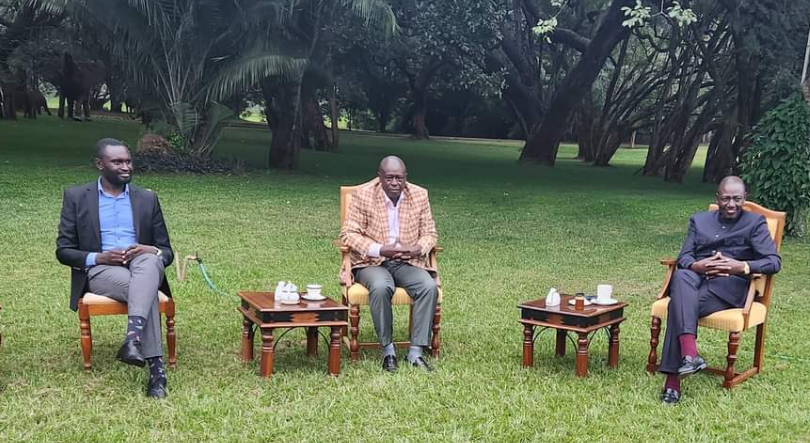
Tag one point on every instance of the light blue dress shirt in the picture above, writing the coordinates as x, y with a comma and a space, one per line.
116, 222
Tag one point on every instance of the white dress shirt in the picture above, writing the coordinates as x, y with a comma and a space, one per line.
393, 225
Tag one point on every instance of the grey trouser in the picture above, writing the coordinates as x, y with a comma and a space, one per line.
381, 282
689, 300
136, 285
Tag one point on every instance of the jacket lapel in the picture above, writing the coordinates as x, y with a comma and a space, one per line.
91, 200
380, 208
135, 201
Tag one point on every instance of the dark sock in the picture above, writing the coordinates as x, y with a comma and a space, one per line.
156, 367
134, 327
673, 382
688, 345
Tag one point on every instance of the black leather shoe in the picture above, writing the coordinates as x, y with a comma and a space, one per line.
157, 387
130, 353
389, 363
422, 364
691, 365
670, 396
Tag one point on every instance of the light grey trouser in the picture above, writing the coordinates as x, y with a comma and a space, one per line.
381, 281
136, 285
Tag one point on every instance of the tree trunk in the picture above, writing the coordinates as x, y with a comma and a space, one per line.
542, 146
418, 127
281, 108
334, 116
585, 121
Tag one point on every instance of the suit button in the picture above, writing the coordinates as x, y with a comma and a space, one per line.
724, 227
716, 235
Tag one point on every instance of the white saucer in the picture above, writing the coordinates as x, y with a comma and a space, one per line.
612, 301
573, 302
313, 297
290, 302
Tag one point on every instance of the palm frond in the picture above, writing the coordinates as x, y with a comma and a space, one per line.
247, 70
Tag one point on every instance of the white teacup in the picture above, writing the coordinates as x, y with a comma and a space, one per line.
314, 290
603, 293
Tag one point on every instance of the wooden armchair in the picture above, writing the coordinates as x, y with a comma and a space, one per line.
93, 305
734, 321
355, 295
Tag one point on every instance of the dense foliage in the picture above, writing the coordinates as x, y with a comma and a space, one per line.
776, 166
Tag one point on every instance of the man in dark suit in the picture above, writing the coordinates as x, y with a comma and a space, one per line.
114, 238
721, 250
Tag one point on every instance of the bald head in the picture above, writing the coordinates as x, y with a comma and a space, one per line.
393, 176
731, 180
392, 162
730, 197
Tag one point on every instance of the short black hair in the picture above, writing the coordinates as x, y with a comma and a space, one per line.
104, 143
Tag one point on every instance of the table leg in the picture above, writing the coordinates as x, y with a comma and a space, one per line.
334, 351
528, 346
247, 340
312, 341
266, 365
559, 351
582, 355
613, 346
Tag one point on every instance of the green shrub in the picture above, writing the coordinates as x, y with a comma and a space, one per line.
776, 167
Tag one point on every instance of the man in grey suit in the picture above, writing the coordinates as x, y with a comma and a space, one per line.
114, 238
721, 250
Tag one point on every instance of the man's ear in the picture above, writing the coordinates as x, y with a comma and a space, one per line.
97, 162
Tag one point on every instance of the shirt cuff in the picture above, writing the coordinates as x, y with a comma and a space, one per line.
686, 263
90, 260
374, 250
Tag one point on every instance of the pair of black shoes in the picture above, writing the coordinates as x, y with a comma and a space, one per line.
130, 353
689, 365
389, 364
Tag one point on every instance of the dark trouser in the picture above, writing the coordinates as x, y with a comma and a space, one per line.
137, 286
381, 281
689, 300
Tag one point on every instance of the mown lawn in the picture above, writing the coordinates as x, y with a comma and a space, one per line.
510, 232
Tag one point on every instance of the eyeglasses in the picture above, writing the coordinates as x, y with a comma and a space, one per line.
728, 198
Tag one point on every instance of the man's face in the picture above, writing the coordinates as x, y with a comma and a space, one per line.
730, 199
116, 165
393, 179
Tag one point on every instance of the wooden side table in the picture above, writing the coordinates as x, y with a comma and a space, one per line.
261, 309
564, 318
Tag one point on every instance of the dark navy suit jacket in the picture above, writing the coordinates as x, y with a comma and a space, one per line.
745, 239
80, 231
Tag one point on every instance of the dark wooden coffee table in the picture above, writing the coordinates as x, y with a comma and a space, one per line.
261, 309
564, 318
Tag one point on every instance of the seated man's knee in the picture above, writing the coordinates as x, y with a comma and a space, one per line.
383, 287
681, 276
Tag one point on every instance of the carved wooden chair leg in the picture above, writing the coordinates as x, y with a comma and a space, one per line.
87, 336
436, 341
655, 332
731, 358
354, 330
759, 347
344, 331
171, 335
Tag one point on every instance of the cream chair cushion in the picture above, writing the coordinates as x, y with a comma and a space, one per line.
730, 320
358, 295
91, 299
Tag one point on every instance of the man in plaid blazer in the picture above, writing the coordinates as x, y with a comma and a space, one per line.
390, 231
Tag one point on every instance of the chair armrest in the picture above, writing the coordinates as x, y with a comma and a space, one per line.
670, 263
345, 276
749, 298
433, 262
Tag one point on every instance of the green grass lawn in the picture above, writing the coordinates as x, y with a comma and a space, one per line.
510, 232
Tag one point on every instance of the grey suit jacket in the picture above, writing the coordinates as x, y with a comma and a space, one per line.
746, 239
80, 231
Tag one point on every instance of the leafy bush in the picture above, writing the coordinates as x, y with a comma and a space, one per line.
776, 167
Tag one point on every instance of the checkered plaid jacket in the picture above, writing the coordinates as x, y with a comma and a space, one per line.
367, 222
